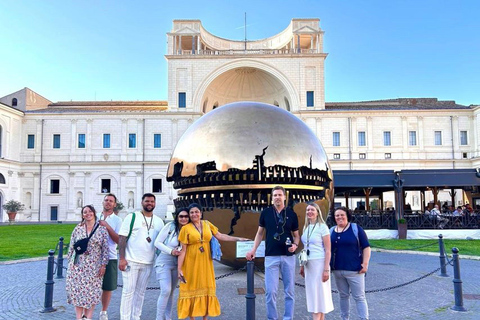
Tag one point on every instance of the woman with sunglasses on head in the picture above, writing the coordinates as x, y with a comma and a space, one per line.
85, 271
197, 297
350, 258
166, 262
316, 241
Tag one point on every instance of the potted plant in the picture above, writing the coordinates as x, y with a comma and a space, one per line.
402, 228
12, 207
119, 207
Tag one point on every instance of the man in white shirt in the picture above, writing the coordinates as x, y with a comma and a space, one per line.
112, 222
137, 255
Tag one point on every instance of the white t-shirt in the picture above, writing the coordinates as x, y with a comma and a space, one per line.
316, 232
115, 222
138, 248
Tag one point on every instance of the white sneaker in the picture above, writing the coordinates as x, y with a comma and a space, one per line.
103, 315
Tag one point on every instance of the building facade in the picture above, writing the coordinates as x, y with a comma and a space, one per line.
56, 157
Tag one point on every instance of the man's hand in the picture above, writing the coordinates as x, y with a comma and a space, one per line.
364, 268
123, 264
250, 255
302, 272
293, 247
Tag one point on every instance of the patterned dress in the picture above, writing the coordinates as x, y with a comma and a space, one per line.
83, 285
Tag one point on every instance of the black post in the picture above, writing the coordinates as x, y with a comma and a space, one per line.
443, 262
457, 282
60, 259
250, 296
49, 284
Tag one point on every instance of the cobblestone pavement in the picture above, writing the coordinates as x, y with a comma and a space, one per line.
23, 288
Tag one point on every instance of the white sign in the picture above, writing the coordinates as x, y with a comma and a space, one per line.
245, 246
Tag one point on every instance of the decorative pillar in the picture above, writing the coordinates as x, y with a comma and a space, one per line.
347, 194
435, 195
367, 192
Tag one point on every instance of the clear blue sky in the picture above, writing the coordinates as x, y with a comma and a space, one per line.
104, 50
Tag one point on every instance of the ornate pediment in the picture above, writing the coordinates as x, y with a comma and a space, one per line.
306, 29
186, 31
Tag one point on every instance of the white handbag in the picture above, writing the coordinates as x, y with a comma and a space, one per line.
303, 258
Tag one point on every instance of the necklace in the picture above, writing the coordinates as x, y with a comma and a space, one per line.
202, 250
148, 227
309, 233
343, 230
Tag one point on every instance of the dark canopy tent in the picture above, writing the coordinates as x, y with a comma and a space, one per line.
442, 178
355, 181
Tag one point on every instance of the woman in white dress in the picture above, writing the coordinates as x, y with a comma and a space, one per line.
316, 241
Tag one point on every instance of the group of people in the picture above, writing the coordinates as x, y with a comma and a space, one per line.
343, 250
180, 251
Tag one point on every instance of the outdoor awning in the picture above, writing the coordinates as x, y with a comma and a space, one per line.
442, 178
354, 181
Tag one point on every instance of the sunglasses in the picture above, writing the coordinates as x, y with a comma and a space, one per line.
181, 217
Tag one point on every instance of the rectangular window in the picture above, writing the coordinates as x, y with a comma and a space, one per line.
156, 185
362, 156
336, 156
336, 139
438, 138
157, 140
412, 138
56, 141
106, 140
388, 156
132, 140
387, 138
362, 142
54, 186
31, 141
182, 100
310, 98
54, 213
105, 187
81, 141
463, 138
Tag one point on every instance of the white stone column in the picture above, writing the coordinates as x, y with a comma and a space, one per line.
88, 141
71, 201
89, 188
421, 137
139, 189
38, 140
369, 134
124, 140
36, 197
73, 139
404, 135
455, 135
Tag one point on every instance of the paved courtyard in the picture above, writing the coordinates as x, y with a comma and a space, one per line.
23, 287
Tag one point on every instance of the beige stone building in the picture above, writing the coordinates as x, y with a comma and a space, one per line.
55, 157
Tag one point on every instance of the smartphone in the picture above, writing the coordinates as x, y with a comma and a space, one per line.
182, 279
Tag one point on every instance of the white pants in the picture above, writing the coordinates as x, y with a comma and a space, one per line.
134, 285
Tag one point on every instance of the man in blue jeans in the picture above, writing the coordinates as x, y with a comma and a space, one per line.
279, 223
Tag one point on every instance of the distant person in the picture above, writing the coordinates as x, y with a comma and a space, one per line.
279, 223
137, 255
316, 240
350, 259
197, 297
86, 270
167, 261
435, 214
112, 223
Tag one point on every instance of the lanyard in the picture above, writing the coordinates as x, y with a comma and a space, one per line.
309, 233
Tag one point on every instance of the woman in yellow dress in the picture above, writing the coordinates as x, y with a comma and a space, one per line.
197, 295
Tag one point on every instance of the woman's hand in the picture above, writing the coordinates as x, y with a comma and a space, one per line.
302, 272
175, 252
101, 272
364, 268
326, 275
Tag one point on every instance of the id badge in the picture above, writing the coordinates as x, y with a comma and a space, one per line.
202, 250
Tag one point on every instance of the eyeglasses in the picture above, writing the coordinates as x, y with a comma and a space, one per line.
181, 217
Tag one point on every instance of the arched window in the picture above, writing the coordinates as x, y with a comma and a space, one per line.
14, 102
2, 179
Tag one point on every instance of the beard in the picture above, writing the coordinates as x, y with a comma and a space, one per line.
148, 208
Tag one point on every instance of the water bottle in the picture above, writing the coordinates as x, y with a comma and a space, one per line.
288, 242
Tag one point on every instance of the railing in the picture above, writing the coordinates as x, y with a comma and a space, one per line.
245, 52
377, 219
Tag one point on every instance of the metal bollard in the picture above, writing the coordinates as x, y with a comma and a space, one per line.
457, 282
49, 284
443, 261
60, 259
250, 296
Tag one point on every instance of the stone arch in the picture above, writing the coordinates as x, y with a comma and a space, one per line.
291, 95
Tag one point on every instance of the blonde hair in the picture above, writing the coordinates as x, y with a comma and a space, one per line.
319, 216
